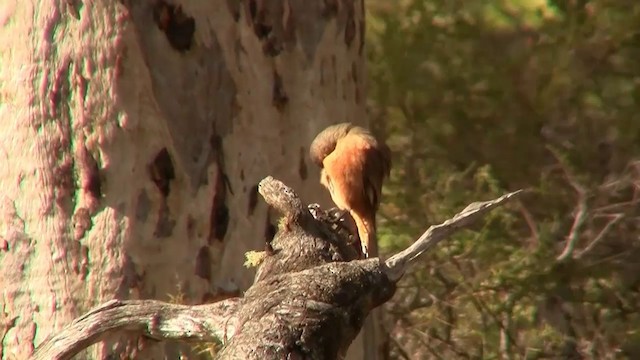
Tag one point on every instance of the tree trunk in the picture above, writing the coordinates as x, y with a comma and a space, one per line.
133, 137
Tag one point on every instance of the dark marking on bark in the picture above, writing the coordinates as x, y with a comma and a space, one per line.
90, 179
203, 263
272, 47
74, 7
64, 184
280, 98
350, 26
217, 153
273, 23
60, 143
219, 218
191, 227
362, 35
259, 18
234, 9
227, 183
253, 10
4, 244
215, 142
165, 224
289, 25
130, 279
82, 222
194, 93
330, 8
94, 185
302, 165
253, 200
176, 25
143, 206
354, 76
262, 30
162, 172
241, 174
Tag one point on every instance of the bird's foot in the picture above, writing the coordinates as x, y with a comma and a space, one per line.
315, 210
337, 213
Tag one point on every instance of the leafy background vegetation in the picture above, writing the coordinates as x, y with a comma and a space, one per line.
477, 98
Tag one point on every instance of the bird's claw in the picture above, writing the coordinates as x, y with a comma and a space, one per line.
337, 213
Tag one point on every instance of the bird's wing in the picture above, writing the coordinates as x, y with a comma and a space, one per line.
377, 166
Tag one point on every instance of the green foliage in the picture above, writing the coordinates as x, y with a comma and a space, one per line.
480, 98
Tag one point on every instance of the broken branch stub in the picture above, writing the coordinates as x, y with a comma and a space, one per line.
301, 242
281, 197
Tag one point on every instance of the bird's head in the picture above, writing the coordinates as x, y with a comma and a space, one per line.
325, 142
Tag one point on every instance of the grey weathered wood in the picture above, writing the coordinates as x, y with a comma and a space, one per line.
309, 301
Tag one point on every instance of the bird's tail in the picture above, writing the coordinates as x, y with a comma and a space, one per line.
367, 233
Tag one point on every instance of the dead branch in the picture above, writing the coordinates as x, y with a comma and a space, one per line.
398, 264
615, 219
309, 300
581, 211
576, 228
153, 319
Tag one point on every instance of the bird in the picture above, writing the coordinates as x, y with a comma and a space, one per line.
354, 165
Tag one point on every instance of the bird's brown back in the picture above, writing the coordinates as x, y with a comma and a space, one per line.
358, 164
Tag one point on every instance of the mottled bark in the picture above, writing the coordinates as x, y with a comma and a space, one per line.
309, 301
133, 136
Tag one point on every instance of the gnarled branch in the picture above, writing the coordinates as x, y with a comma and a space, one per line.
151, 318
309, 300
